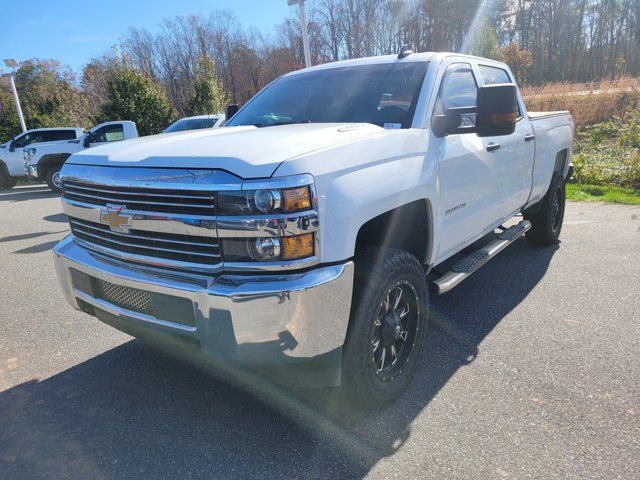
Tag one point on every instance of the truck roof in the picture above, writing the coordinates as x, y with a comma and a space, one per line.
54, 128
413, 57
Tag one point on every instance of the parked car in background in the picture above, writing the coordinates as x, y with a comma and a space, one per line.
11, 155
195, 123
43, 162
299, 239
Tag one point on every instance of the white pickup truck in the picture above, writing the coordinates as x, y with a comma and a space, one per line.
297, 240
43, 162
11, 155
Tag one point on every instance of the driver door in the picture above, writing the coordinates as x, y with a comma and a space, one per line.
469, 172
15, 155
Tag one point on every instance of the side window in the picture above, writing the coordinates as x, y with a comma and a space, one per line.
29, 138
64, 135
20, 141
108, 133
494, 75
458, 89
48, 136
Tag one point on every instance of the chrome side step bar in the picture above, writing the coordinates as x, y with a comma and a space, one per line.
472, 262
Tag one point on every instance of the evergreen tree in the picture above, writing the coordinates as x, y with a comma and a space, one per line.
208, 96
132, 95
484, 42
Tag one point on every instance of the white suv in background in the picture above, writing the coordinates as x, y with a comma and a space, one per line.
11, 156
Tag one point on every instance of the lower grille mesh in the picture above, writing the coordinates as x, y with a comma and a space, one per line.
124, 297
159, 305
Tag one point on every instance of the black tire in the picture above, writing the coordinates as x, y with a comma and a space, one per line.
379, 272
52, 178
7, 182
547, 217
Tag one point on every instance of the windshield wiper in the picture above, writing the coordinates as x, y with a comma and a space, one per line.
275, 124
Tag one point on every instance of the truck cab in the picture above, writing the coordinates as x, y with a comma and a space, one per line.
298, 240
43, 162
11, 157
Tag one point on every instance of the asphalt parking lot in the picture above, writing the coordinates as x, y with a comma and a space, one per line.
532, 371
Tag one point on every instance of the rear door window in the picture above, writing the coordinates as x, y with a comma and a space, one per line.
48, 136
495, 75
64, 134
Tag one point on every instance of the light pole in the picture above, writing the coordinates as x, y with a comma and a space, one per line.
13, 63
303, 27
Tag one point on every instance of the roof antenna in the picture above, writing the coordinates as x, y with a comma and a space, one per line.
405, 51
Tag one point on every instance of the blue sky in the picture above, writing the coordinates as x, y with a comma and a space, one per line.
73, 31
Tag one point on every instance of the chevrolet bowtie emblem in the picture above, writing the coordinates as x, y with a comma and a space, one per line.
114, 217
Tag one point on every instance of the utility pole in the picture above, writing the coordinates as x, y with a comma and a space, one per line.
13, 63
303, 27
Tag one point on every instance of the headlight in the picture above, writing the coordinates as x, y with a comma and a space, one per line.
268, 249
282, 219
251, 249
267, 201
264, 201
27, 155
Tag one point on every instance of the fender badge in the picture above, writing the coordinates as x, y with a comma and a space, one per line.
455, 209
114, 217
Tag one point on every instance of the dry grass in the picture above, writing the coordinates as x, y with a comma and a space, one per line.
588, 103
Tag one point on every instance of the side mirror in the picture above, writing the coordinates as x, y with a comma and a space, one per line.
12, 146
230, 111
86, 142
451, 122
497, 106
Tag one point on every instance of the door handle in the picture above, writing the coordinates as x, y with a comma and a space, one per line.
493, 147
528, 138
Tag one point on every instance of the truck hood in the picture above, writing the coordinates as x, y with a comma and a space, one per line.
249, 152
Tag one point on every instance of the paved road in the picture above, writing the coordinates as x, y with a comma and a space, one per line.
532, 371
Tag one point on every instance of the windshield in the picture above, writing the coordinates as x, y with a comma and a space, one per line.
191, 124
382, 94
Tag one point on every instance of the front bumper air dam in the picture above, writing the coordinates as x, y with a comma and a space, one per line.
290, 325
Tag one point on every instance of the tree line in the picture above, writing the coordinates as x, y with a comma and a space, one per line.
196, 63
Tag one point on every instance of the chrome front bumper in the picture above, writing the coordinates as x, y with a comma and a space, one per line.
261, 320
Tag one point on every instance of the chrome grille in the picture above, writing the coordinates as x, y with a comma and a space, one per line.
192, 202
124, 297
183, 248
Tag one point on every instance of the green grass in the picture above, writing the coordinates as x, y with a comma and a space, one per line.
599, 193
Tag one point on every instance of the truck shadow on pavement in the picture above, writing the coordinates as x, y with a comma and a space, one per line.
24, 194
126, 413
28, 236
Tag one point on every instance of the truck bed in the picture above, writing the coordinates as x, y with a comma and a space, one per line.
553, 133
538, 115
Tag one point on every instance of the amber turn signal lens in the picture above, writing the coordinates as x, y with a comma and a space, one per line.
300, 246
296, 199
503, 117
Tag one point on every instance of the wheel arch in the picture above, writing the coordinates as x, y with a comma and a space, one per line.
407, 227
561, 161
4, 169
50, 160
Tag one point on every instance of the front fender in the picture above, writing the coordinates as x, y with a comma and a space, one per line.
362, 180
